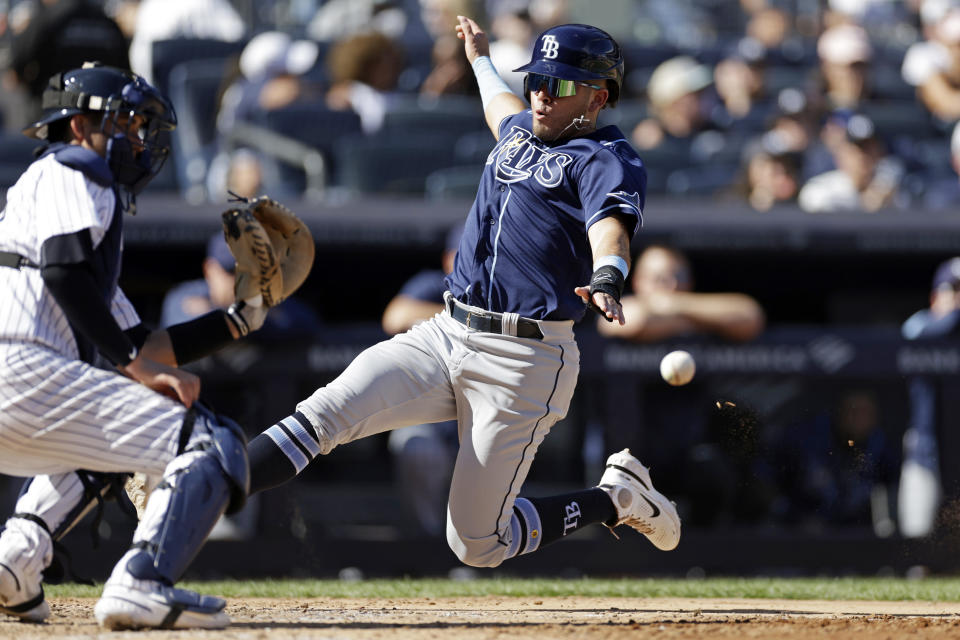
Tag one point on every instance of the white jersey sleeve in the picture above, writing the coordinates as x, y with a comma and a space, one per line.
49, 199
68, 202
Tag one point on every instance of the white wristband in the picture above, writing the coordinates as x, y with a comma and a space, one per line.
614, 261
489, 81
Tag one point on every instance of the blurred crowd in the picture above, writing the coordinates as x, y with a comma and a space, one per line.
831, 105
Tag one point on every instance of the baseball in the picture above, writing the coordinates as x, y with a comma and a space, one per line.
677, 368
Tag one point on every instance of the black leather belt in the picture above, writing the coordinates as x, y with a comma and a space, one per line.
15, 260
491, 322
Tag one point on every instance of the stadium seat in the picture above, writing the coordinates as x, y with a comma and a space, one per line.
452, 115
703, 180
900, 118
167, 54
314, 125
390, 164
16, 154
194, 88
453, 183
474, 147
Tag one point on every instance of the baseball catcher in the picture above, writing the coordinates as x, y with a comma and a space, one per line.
274, 252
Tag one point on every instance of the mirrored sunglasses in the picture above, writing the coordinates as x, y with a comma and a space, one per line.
555, 87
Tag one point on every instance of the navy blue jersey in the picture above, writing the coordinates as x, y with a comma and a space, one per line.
524, 247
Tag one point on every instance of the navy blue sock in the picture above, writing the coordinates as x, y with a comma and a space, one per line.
563, 514
281, 452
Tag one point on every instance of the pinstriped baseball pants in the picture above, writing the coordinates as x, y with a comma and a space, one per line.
505, 392
58, 415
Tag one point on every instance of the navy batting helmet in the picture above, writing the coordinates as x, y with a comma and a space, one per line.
119, 95
578, 52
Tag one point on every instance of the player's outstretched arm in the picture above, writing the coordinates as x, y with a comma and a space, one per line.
610, 244
498, 101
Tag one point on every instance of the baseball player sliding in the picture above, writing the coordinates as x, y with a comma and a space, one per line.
74, 427
557, 205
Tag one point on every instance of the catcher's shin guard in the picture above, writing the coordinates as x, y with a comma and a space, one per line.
210, 477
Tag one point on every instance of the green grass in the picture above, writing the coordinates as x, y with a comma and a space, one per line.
934, 589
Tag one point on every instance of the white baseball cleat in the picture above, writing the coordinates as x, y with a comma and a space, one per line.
133, 603
21, 597
638, 504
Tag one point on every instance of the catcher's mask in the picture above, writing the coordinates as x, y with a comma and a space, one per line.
575, 52
135, 117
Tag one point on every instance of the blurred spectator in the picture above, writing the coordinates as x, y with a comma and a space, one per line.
438, 15
740, 79
513, 31
933, 67
772, 172
834, 465
169, 19
450, 73
710, 460
845, 54
58, 35
679, 104
867, 178
793, 121
272, 70
246, 173
339, 19
889, 23
663, 304
770, 26
363, 71
944, 193
424, 453
920, 490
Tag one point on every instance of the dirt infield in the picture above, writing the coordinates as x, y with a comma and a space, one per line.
540, 618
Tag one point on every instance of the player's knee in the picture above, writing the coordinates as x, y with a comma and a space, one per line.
475, 552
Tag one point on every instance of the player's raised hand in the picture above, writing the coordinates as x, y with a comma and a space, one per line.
172, 382
603, 303
475, 42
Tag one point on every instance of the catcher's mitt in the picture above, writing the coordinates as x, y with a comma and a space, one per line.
273, 249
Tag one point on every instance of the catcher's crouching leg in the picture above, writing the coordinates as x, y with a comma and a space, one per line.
208, 478
47, 508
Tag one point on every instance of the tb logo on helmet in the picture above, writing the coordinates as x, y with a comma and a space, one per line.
550, 47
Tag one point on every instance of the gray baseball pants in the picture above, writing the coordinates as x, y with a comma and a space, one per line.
505, 392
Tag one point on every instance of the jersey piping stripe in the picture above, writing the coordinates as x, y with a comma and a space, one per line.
496, 247
533, 433
628, 208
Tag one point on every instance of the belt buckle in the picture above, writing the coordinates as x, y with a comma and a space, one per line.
477, 321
